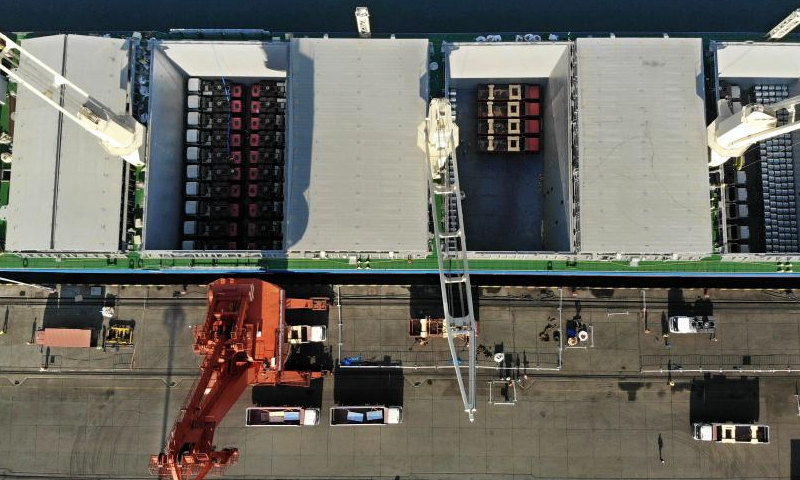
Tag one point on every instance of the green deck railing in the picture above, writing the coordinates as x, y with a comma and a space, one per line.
134, 261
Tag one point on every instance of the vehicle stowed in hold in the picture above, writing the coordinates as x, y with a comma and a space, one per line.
731, 433
366, 415
281, 416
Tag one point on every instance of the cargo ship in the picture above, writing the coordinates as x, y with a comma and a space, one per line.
249, 151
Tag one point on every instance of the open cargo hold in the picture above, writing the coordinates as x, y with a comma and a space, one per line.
515, 159
761, 73
216, 166
244, 152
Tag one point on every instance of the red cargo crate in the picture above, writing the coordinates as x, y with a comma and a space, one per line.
532, 109
532, 145
236, 140
236, 106
532, 92
236, 91
236, 123
236, 157
532, 127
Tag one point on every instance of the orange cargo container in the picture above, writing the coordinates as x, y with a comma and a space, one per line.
64, 337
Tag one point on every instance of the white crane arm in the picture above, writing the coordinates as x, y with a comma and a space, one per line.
120, 135
732, 133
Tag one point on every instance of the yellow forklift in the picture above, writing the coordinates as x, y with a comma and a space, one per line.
120, 333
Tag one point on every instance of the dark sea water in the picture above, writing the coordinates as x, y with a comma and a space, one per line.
399, 16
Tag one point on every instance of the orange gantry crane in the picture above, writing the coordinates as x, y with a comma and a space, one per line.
244, 343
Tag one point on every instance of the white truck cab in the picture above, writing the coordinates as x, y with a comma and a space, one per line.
687, 324
297, 334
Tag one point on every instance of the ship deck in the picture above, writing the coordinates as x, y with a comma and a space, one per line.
541, 245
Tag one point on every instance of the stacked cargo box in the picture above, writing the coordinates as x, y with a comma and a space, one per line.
265, 166
509, 118
234, 165
778, 178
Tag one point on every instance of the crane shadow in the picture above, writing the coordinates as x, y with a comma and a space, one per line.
369, 387
721, 399
177, 321
283, 396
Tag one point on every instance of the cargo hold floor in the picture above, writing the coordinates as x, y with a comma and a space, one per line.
503, 203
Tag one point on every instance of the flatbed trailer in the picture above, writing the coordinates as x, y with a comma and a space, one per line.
366, 415
731, 433
281, 416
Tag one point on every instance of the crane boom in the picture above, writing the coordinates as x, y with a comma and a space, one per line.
120, 135
438, 137
732, 133
243, 343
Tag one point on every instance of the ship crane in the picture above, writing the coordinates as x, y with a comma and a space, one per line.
438, 137
120, 135
733, 132
244, 342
